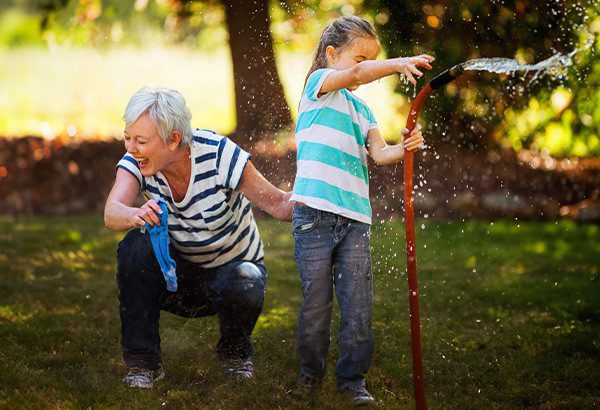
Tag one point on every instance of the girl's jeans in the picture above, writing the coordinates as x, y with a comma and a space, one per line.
332, 251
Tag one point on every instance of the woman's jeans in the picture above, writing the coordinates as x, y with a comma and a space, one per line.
332, 251
234, 292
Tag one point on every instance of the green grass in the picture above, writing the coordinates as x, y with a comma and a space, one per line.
510, 318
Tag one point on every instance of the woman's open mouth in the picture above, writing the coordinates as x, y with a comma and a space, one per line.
142, 162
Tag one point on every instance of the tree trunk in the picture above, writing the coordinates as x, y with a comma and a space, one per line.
261, 108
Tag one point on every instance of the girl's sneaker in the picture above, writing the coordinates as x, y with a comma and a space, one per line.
307, 387
305, 390
143, 378
359, 395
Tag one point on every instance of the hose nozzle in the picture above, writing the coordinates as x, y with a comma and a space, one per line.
447, 76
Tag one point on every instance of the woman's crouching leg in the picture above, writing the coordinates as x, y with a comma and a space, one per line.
240, 294
141, 286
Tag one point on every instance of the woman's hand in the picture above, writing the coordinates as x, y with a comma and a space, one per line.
408, 65
286, 208
415, 141
146, 213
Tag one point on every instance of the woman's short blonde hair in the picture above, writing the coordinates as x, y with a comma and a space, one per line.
167, 109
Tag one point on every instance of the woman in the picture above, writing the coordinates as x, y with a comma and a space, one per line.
206, 180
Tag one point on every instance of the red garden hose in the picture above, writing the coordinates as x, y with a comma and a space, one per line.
411, 255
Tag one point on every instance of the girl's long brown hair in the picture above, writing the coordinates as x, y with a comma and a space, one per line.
339, 33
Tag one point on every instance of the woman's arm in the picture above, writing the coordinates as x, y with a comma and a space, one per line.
384, 154
371, 70
270, 199
119, 214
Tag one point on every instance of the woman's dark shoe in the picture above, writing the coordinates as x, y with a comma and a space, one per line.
143, 378
240, 368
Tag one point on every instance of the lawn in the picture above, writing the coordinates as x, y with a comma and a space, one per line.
511, 318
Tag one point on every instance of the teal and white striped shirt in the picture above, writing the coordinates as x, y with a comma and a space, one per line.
331, 136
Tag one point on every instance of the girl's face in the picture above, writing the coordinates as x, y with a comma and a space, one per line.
359, 49
146, 145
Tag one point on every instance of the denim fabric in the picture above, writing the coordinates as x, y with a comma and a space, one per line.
332, 252
234, 292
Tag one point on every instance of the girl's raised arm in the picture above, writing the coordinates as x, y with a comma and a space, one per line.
371, 70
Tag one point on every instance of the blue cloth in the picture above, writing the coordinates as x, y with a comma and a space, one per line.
159, 235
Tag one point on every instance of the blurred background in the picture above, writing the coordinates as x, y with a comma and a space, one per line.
69, 68
507, 197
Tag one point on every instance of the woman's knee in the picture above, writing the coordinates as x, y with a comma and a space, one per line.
133, 238
133, 246
135, 256
247, 285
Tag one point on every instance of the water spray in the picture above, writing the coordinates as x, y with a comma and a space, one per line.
555, 66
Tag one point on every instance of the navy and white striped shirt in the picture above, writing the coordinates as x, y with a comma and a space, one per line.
213, 224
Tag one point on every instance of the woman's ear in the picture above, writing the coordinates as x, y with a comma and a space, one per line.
331, 54
175, 140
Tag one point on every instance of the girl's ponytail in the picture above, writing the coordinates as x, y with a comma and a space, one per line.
339, 33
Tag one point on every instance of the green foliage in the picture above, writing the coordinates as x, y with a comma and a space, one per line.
510, 318
97, 23
18, 29
477, 111
470, 111
297, 24
565, 121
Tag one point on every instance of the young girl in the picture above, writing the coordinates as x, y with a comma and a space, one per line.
332, 215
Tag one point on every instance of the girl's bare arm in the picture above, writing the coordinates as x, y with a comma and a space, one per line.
384, 154
371, 70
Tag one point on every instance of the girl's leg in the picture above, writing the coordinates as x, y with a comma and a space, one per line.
313, 238
354, 292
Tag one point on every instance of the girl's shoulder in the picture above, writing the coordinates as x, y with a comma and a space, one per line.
315, 81
318, 73
351, 96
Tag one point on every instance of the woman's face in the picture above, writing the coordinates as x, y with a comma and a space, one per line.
147, 147
360, 49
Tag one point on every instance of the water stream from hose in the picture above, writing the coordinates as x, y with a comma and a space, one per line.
555, 66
